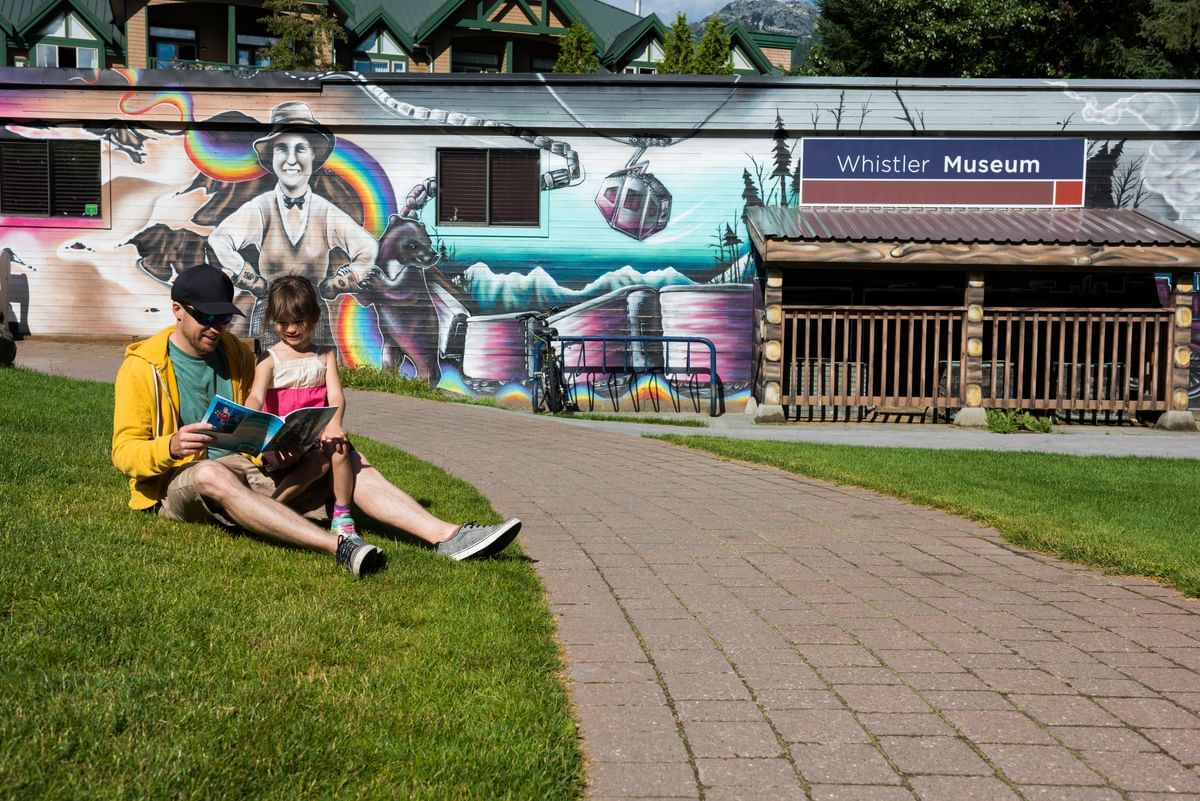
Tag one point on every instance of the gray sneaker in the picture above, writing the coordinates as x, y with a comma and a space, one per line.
359, 557
475, 541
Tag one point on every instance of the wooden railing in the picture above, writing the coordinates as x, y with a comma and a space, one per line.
842, 361
1077, 359
846, 359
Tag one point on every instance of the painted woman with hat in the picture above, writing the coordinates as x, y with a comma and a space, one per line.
294, 229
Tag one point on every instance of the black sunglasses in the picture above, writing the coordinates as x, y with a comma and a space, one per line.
208, 320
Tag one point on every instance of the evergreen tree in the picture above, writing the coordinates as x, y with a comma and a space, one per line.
1007, 38
783, 159
934, 38
577, 51
749, 191
1172, 27
305, 34
677, 48
713, 56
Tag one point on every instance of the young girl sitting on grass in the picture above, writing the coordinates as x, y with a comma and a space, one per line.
294, 374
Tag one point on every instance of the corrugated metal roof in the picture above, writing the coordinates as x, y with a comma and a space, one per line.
1006, 226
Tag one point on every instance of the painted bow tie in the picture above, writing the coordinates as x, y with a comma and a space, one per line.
296, 202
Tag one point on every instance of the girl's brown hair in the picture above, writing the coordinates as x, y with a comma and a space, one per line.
292, 297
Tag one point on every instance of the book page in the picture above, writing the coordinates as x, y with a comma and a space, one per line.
239, 428
302, 427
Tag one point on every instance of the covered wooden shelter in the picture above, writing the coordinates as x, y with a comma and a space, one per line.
959, 310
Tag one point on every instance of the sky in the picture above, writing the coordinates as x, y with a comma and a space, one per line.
696, 10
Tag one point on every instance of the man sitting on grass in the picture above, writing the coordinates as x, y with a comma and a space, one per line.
163, 389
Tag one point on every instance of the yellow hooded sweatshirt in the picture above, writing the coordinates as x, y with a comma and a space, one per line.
146, 412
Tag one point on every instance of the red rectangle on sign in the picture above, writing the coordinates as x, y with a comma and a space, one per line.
1068, 193
932, 193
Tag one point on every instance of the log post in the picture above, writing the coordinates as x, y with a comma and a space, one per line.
1177, 417
972, 412
768, 388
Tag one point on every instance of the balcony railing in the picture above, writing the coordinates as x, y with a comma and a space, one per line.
192, 64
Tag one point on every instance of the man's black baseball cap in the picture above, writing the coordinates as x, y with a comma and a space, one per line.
206, 289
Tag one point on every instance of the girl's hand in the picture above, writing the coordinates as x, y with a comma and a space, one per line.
333, 439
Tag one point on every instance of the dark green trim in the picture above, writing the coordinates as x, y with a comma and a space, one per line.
507, 27
739, 35
95, 44
382, 17
774, 39
447, 9
435, 20
230, 37
102, 31
574, 16
529, 15
633, 36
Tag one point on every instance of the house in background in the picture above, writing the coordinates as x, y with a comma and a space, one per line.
440, 36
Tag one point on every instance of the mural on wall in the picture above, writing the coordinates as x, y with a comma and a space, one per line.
641, 231
264, 198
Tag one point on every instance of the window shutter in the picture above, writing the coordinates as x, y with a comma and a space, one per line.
24, 188
513, 193
462, 186
75, 177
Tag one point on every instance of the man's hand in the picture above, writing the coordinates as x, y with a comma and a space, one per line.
281, 459
192, 438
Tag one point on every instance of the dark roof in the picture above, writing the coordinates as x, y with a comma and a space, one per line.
23, 16
421, 18
1006, 226
626, 39
606, 21
739, 36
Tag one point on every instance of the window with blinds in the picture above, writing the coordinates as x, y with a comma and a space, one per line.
489, 187
50, 178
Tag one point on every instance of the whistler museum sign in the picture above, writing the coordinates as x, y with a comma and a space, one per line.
942, 172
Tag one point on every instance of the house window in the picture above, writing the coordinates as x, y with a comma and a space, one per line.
251, 50
379, 65
379, 52
66, 42
488, 187
49, 178
467, 61
170, 45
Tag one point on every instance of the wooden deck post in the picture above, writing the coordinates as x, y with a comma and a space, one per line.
972, 412
1177, 417
769, 386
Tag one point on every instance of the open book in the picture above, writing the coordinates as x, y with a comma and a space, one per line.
240, 428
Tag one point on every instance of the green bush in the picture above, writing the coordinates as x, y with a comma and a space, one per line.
1010, 421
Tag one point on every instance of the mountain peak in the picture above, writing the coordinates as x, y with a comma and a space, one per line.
789, 17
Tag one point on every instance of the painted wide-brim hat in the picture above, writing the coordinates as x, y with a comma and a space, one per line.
295, 117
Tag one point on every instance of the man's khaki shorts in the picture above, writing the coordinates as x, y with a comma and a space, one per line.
183, 501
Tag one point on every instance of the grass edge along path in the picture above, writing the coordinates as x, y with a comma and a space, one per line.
1133, 516
141, 658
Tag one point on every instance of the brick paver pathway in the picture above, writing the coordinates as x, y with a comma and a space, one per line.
733, 632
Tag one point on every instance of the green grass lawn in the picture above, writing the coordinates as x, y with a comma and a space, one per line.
1129, 515
145, 659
